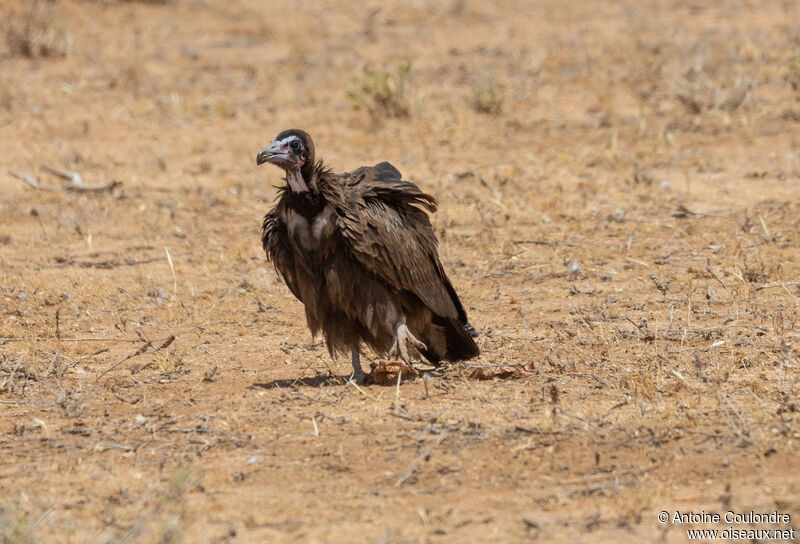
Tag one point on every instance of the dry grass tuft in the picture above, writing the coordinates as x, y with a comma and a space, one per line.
130, 77
14, 528
37, 33
382, 93
793, 69
487, 99
700, 93
160, 513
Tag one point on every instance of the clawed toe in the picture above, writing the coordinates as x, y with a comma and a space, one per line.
401, 339
417, 344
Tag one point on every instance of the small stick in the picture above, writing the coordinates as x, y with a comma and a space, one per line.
396, 403
714, 275
131, 356
74, 177
74, 181
316, 429
354, 384
637, 261
397, 386
30, 181
412, 466
148, 344
174, 277
764, 226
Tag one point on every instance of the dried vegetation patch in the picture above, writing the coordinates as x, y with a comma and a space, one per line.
34, 30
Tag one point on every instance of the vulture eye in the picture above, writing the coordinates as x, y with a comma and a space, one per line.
294, 145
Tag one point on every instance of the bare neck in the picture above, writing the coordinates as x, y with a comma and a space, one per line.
296, 181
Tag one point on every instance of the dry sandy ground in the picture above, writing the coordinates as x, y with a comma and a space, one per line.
623, 221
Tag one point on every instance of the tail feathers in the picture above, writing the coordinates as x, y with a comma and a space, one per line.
459, 341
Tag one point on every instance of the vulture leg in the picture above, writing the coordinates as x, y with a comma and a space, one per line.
401, 337
358, 373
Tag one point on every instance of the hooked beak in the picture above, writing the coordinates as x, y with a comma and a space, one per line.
271, 153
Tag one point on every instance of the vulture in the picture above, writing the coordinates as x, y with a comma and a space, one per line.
358, 250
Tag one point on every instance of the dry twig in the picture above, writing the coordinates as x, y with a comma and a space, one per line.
30, 181
147, 345
72, 181
412, 466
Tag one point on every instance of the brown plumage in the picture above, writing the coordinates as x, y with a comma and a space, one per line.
359, 251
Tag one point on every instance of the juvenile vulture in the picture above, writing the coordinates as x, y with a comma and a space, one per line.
358, 250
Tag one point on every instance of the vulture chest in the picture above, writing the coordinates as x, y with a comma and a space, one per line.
311, 234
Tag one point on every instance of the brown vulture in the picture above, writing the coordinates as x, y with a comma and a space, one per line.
358, 250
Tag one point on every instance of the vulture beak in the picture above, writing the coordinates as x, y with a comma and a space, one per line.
272, 153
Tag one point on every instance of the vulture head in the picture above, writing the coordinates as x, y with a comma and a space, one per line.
292, 150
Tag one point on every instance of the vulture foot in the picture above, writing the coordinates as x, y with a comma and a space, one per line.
400, 347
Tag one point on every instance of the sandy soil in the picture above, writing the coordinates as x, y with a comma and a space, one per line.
619, 210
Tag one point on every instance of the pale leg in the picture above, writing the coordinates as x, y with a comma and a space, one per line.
358, 373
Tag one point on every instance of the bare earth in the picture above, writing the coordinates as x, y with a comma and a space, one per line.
623, 232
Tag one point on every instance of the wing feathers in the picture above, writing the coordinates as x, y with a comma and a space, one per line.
387, 230
274, 239
384, 170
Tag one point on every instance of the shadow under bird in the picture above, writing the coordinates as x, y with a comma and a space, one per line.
358, 250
